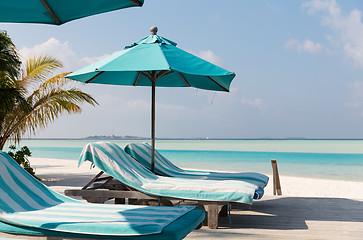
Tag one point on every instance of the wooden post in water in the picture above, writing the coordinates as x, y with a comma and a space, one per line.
276, 178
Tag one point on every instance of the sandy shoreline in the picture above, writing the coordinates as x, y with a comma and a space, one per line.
62, 174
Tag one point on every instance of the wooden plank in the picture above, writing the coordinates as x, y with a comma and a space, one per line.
93, 199
102, 195
276, 178
108, 194
93, 180
111, 185
123, 194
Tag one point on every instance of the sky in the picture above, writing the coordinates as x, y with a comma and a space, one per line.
298, 65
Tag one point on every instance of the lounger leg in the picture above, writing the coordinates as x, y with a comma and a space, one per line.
212, 212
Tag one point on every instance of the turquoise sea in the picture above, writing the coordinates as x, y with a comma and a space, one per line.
329, 159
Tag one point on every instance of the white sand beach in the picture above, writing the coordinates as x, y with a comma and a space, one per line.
60, 174
308, 209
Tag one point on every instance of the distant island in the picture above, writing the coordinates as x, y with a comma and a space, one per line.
113, 137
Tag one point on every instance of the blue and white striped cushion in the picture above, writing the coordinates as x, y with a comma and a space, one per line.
113, 160
24, 201
142, 153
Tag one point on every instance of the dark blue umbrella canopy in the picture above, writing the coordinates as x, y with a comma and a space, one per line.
58, 11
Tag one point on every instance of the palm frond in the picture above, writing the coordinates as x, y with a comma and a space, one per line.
43, 105
39, 68
57, 81
54, 83
53, 104
11, 97
9, 59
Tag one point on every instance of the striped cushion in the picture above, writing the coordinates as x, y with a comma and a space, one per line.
142, 153
113, 160
24, 201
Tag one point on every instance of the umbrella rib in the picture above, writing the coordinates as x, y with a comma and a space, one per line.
185, 81
164, 73
146, 74
136, 2
51, 12
224, 89
154, 74
93, 78
137, 79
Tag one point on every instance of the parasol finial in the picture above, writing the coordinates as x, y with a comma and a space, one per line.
153, 30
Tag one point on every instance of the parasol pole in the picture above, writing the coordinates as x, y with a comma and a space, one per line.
153, 126
153, 31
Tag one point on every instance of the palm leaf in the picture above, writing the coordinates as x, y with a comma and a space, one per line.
48, 101
9, 58
39, 68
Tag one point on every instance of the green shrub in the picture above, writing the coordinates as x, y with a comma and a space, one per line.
21, 157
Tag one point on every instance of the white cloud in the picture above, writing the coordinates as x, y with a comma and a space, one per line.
317, 5
62, 51
258, 103
89, 60
347, 27
306, 46
209, 56
53, 47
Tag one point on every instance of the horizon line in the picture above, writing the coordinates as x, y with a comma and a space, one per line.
196, 138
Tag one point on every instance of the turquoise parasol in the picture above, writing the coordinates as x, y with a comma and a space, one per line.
157, 62
58, 11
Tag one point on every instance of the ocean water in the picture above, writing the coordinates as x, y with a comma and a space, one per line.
329, 159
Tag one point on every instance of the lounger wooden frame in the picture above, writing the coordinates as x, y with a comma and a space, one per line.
100, 193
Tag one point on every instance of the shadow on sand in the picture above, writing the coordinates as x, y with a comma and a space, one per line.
64, 179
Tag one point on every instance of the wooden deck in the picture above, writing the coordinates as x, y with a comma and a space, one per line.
291, 218
270, 218
286, 218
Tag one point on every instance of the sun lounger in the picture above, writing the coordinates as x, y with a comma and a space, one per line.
113, 160
28, 208
142, 153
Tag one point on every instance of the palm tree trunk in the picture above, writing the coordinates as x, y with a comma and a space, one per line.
2, 143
